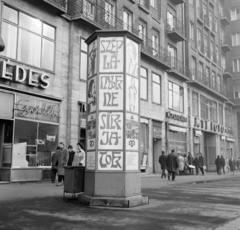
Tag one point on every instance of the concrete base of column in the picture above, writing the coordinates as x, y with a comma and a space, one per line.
125, 202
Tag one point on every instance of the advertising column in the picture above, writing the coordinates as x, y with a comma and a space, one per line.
112, 176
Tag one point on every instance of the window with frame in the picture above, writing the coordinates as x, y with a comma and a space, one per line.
28, 39
144, 84
194, 67
83, 60
207, 76
208, 109
199, 38
109, 13
236, 91
127, 20
216, 24
201, 70
175, 97
236, 39
192, 37
155, 41
194, 104
153, 3
228, 117
156, 88
235, 14
142, 30
236, 65
220, 110
213, 79
173, 51
88, 10
214, 112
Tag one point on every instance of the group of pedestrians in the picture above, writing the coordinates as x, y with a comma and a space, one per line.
66, 157
222, 164
180, 164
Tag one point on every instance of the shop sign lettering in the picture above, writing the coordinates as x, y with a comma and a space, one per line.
18, 74
110, 130
110, 160
111, 54
46, 110
111, 92
176, 117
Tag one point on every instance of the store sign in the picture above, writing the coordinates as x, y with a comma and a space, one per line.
229, 131
18, 74
176, 117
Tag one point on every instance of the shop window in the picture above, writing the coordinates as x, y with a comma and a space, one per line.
28, 39
34, 143
177, 141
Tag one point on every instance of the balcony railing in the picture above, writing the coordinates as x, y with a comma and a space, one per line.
179, 66
224, 17
61, 5
208, 82
175, 25
200, 14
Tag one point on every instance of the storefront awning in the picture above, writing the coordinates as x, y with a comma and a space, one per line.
230, 139
177, 129
198, 133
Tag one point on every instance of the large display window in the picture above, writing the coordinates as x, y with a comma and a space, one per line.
34, 143
177, 141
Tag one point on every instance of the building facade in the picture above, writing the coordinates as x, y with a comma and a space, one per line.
184, 100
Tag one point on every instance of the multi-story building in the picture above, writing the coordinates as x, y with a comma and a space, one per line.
184, 102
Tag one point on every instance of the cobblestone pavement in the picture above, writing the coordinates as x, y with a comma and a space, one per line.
191, 202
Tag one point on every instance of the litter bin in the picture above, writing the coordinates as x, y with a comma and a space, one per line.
73, 180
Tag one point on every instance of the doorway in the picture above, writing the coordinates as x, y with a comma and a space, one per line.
157, 151
210, 150
6, 134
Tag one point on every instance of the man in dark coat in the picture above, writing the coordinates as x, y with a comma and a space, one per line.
218, 163
190, 162
196, 163
163, 162
232, 165
201, 163
172, 164
223, 164
71, 154
54, 165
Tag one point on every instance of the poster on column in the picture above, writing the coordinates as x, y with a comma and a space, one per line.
111, 54
132, 131
132, 66
92, 59
132, 94
132, 162
91, 131
110, 160
110, 130
111, 92
91, 160
92, 97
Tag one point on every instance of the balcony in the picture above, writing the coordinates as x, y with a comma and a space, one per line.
203, 82
224, 17
59, 5
144, 5
206, 22
227, 71
201, 48
176, 29
176, 2
226, 43
179, 69
200, 15
96, 16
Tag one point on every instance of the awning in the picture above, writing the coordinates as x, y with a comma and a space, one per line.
230, 139
198, 133
177, 129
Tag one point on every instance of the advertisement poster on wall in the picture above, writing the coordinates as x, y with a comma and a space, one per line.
110, 130
92, 59
132, 94
91, 160
132, 131
92, 97
132, 66
111, 92
132, 162
91, 131
111, 54
110, 160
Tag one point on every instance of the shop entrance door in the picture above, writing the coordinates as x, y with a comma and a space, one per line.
157, 151
6, 132
210, 151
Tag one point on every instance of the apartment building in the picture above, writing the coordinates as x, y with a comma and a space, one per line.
183, 87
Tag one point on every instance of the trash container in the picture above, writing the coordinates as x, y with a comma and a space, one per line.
73, 180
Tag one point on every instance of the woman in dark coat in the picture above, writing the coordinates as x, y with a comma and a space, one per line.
172, 165
218, 163
163, 162
232, 165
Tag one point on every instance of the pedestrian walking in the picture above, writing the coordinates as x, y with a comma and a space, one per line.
190, 162
71, 154
62, 161
79, 157
180, 164
201, 163
196, 163
185, 163
238, 163
172, 165
163, 163
223, 164
54, 162
218, 163
232, 165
